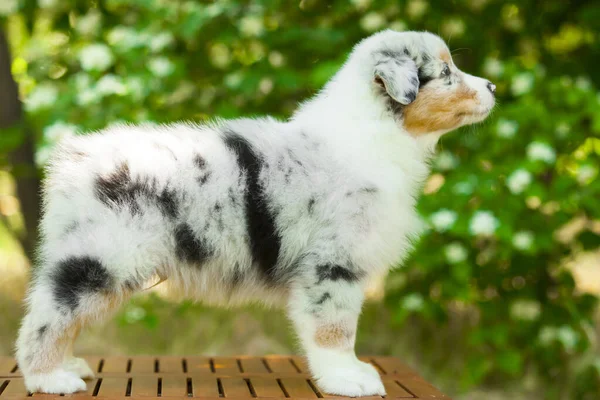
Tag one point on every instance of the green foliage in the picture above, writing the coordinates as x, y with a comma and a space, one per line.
510, 202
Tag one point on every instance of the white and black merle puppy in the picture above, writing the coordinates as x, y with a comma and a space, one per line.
298, 213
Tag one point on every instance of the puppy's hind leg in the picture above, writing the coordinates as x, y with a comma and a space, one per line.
74, 364
324, 308
64, 297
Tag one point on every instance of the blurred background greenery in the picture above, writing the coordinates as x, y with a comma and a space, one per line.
500, 298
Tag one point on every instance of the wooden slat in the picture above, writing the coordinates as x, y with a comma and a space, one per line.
142, 365
422, 389
394, 390
170, 364
115, 365
204, 386
266, 387
197, 364
280, 364
235, 387
7, 364
226, 365
253, 365
113, 387
175, 385
391, 366
273, 377
144, 386
298, 387
15, 388
300, 363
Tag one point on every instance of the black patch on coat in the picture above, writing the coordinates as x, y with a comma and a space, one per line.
167, 201
326, 296
311, 205
334, 272
265, 242
78, 276
199, 161
188, 247
203, 179
42, 331
424, 79
118, 189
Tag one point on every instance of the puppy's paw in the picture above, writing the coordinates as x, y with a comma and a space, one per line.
58, 381
360, 379
79, 367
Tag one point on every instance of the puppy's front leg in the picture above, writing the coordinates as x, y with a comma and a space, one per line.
325, 309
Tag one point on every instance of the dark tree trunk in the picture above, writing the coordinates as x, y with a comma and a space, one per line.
22, 157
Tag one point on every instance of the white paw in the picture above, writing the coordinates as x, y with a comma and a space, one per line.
79, 367
58, 381
360, 379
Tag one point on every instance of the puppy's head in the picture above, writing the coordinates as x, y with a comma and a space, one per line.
412, 74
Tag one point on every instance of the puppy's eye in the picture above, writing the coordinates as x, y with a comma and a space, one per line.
446, 70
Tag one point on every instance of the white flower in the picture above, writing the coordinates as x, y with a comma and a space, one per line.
220, 56
372, 21
526, 310
161, 66
443, 220
47, 3
111, 84
518, 181
521, 83
523, 240
276, 59
586, 173
453, 27
483, 223
125, 38
135, 87
161, 41
567, 336
42, 155
455, 253
43, 96
398, 26
583, 83
135, 314
233, 80
89, 23
87, 96
8, 7
413, 302
463, 188
361, 4
416, 8
506, 128
538, 151
493, 67
96, 57
58, 131
562, 130
251, 25
446, 161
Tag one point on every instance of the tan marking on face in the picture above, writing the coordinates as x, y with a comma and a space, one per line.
335, 336
445, 57
434, 110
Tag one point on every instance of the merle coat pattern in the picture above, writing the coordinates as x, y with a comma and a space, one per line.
300, 213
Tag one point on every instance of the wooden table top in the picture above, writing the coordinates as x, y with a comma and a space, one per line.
244, 377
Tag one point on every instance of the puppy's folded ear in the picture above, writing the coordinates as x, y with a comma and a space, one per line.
400, 78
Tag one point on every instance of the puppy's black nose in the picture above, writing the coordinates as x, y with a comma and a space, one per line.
491, 87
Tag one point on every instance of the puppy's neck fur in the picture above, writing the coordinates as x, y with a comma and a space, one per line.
349, 115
